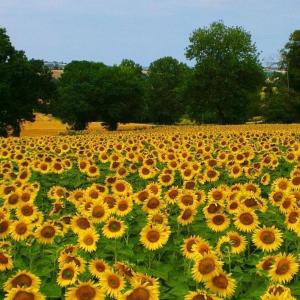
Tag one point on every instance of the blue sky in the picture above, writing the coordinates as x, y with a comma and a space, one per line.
142, 30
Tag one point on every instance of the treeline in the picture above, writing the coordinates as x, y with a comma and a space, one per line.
226, 85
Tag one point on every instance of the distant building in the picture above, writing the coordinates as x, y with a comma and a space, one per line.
55, 65
272, 68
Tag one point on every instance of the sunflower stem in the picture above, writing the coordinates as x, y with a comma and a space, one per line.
115, 250
229, 259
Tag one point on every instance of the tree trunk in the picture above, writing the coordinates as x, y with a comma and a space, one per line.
111, 126
16, 129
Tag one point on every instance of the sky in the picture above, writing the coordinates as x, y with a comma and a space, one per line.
142, 30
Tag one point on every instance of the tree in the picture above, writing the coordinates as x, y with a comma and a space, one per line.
89, 91
76, 94
166, 97
22, 83
121, 94
227, 74
291, 60
279, 104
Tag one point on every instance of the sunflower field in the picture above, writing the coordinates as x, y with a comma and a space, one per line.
175, 212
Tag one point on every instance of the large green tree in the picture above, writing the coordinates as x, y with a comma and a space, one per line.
89, 91
226, 76
291, 60
166, 90
23, 83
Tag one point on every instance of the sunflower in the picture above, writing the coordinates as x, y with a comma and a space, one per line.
80, 223
158, 218
154, 237
97, 267
26, 212
147, 280
4, 228
276, 197
23, 279
141, 292
216, 195
218, 222
172, 195
92, 171
284, 268
221, 284
146, 172
45, 234
232, 241
266, 263
267, 238
6, 262
265, 179
292, 219
206, 266
124, 270
114, 228
295, 183
187, 198
278, 292
88, 240
65, 258
154, 188
235, 171
200, 295
282, 184
112, 283
187, 247
211, 175
85, 291
246, 220
153, 204
67, 275
98, 212
288, 203
187, 216
20, 293
124, 206
121, 187
166, 179
20, 230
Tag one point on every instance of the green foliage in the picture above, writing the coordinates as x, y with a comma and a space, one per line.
22, 83
167, 80
226, 76
291, 60
90, 91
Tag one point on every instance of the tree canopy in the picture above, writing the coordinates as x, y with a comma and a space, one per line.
226, 76
167, 80
23, 83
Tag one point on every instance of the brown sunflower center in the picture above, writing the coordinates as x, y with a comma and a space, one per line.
114, 226
88, 240
13, 199
123, 205
22, 280
153, 236
187, 214
189, 245
187, 200
4, 226
85, 292
139, 293
3, 259
98, 211
113, 281
266, 265
48, 232
220, 281
293, 217
217, 195
267, 236
173, 194
83, 223
120, 187
206, 265
218, 219
22, 295
283, 266
153, 203
235, 240
27, 210
68, 273
202, 297
100, 267
246, 218
21, 228
213, 208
